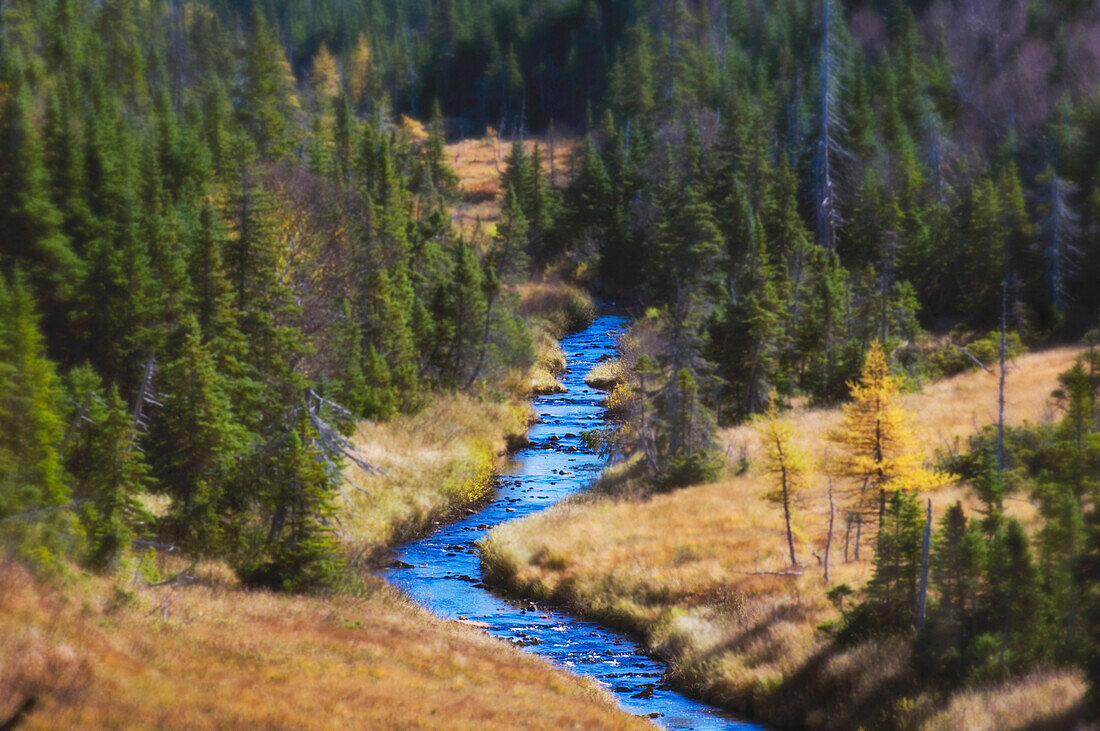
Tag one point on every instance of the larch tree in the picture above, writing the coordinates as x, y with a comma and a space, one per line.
324, 78
785, 464
879, 451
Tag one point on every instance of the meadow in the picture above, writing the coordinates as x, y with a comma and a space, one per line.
701, 573
201, 652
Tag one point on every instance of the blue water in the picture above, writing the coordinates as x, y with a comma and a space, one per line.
444, 571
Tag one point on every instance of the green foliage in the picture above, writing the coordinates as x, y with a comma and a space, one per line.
959, 354
114, 476
33, 486
297, 549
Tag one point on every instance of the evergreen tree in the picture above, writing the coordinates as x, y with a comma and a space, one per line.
33, 488
267, 94
299, 549
115, 477
31, 227
746, 335
892, 591
508, 254
197, 441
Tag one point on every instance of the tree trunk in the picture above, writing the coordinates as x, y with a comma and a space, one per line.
859, 534
829, 538
925, 548
1001, 386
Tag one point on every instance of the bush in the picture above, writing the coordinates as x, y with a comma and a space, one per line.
951, 357
690, 469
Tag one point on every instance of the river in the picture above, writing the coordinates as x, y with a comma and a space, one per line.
443, 572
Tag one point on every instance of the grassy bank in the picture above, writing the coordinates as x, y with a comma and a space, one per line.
430, 467
688, 572
440, 463
203, 653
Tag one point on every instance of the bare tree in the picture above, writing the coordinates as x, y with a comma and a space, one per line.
830, 125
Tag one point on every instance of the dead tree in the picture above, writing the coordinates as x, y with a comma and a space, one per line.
830, 126
925, 550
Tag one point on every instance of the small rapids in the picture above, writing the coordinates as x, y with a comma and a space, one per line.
443, 571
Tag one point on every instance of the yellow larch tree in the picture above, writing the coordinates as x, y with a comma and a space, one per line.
324, 77
879, 450
363, 80
784, 463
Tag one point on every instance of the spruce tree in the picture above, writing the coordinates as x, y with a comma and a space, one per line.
892, 591
115, 478
198, 442
298, 550
33, 486
508, 253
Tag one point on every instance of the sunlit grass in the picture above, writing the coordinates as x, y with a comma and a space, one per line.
606, 375
479, 164
208, 654
430, 467
679, 569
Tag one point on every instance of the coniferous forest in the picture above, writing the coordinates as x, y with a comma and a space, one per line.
230, 240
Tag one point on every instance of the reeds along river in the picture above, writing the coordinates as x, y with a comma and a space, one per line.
443, 571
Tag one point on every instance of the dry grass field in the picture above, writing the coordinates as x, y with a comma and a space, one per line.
207, 654
679, 569
479, 164
431, 467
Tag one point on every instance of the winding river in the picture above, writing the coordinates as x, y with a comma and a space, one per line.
442, 571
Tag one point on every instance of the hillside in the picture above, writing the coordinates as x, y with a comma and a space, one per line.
694, 572
278, 280
200, 652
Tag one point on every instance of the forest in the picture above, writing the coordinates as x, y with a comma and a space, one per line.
228, 240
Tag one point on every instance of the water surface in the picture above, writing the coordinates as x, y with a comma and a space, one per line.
443, 572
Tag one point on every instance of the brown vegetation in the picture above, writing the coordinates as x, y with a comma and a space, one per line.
431, 467
203, 653
700, 573
479, 164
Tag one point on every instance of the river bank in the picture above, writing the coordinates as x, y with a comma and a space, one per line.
442, 571
700, 575
440, 463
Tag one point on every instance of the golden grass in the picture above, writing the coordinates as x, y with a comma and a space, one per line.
605, 376
479, 164
211, 655
555, 306
679, 569
432, 467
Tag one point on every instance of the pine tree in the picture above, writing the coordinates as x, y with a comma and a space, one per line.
588, 214
540, 206
745, 336
197, 441
686, 255
299, 550
892, 591
31, 227
958, 558
347, 384
267, 93
1013, 602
